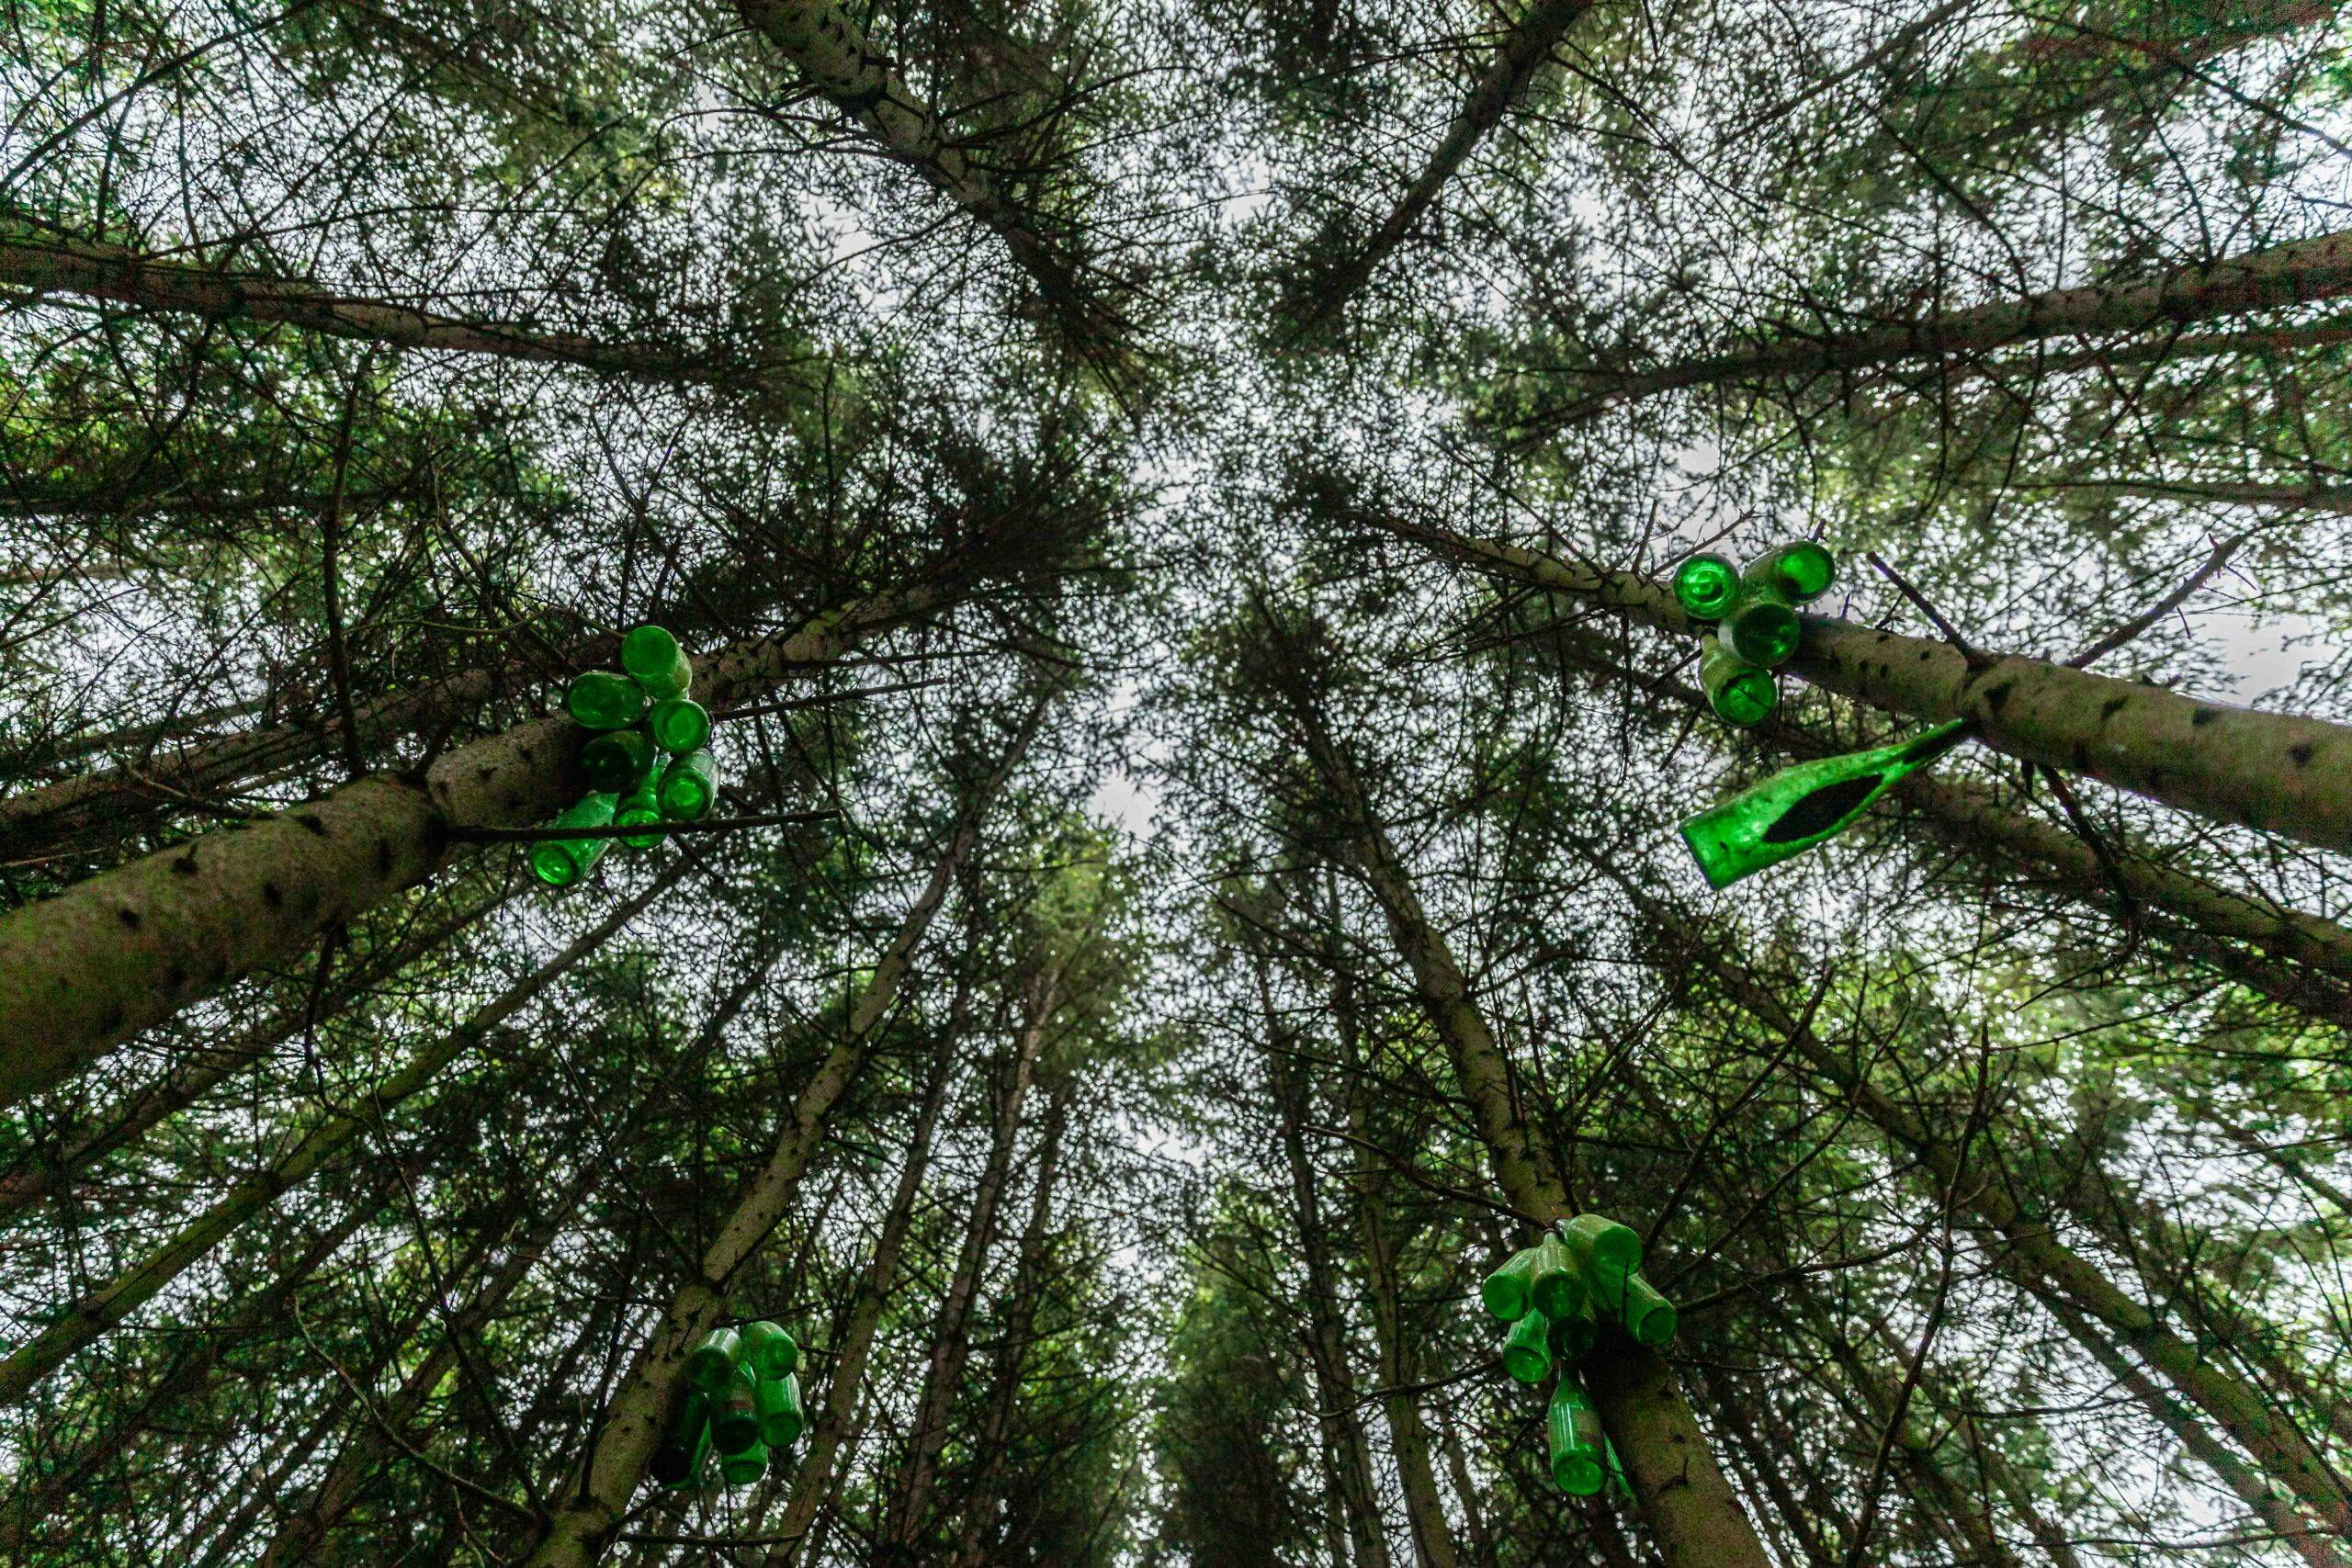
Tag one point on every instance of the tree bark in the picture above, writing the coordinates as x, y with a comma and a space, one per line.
2274, 772
1689, 1508
584, 1525
1525, 47
324, 1143
132, 946
52, 262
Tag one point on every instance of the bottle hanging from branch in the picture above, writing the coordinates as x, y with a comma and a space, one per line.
559, 863
1807, 805
654, 660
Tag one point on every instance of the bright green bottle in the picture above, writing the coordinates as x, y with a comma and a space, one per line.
1509, 1291
601, 700
1760, 626
1555, 1289
1573, 1426
617, 761
688, 787
781, 1417
735, 1414
769, 1351
559, 863
1801, 807
652, 657
743, 1469
685, 1441
1596, 1239
712, 1362
1704, 585
680, 725
1526, 1353
1799, 571
1648, 1317
643, 805
1740, 693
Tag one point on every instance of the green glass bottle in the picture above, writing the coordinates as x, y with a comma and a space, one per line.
688, 786
1573, 1336
1740, 693
653, 658
643, 805
1648, 1317
743, 1469
1555, 1290
684, 1441
1509, 1291
617, 761
735, 1413
781, 1417
679, 723
1705, 586
712, 1362
559, 863
1799, 571
1801, 807
768, 1350
1760, 626
1573, 1426
1527, 1352
601, 700
1596, 1239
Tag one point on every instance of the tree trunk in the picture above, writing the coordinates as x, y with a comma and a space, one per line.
120, 951
2283, 774
582, 1525
909, 1512
1466, 1489
324, 1143
1689, 1508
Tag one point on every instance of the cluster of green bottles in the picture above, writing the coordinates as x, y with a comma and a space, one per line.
1753, 617
1556, 1296
742, 1397
647, 758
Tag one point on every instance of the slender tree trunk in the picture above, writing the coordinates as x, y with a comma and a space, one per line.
812, 1481
1525, 47
1690, 1510
52, 262
2284, 775
317, 1149
907, 1521
132, 946
2286, 497
584, 1525
2296, 272
2033, 1256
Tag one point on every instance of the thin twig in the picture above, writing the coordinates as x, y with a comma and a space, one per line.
1903, 586
2162, 608
640, 829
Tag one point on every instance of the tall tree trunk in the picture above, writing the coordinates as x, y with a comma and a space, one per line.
2276, 771
1689, 1506
1526, 45
132, 946
2033, 1257
582, 1525
317, 1149
907, 1521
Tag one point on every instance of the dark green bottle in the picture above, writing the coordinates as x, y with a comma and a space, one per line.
1598, 1239
653, 658
781, 1417
1740, 693
680, 725
688, 786
684, 1441
1760, 626
1526, 1353
1705, 586
1507, 1292
1573, 1336
641, 806
601, 700
617, 761
559, 863
769, 1351
712, 1362
735, 1414
1573, 1426
1799, 571
1807, 805
743, 1469
1555, 1289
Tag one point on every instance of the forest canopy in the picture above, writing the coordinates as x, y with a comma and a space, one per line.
1472, 784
